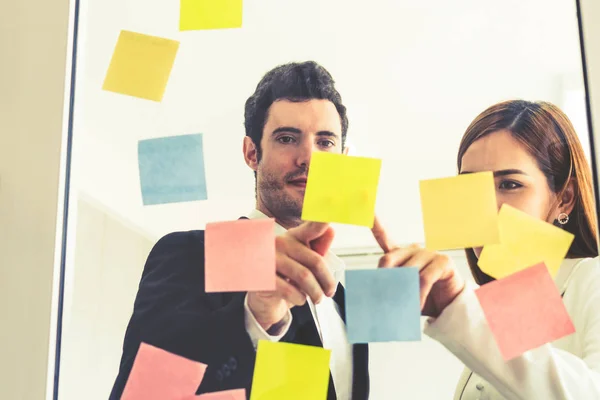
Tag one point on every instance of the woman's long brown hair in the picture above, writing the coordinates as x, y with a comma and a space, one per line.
548, 136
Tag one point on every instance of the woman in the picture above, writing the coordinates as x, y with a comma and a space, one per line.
540, 168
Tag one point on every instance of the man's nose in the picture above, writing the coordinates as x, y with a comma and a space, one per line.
305, 152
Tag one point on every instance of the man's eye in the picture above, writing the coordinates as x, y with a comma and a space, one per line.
285, 139
509, 185
326, 143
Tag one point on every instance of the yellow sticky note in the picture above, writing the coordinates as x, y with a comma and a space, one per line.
210, 14
524, 241
460, 212
141, 65
290, 371
342, 189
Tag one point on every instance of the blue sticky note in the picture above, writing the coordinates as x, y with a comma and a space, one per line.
382, 305
172, 169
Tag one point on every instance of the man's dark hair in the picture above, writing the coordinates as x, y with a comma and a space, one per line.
293, 82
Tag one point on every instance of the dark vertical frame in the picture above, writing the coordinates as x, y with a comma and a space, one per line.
63, 247
588, 105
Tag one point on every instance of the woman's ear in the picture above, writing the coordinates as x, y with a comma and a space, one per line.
250, 153
567, 200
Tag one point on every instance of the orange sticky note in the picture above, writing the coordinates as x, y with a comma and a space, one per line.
524, 311
240, 255
236, 394
158, 375
141, 65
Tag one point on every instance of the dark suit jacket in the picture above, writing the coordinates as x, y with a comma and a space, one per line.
172, 312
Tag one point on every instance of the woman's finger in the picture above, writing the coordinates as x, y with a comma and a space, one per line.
428, 276
381, 236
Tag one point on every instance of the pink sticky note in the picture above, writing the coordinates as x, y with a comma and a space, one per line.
240, 255
236, 394
524, 311
159, 375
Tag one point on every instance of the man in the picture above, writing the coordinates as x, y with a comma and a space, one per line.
294, 112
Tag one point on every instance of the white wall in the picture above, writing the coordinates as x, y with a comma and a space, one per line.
109, 256
34, 48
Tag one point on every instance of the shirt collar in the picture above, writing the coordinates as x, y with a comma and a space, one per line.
255, 214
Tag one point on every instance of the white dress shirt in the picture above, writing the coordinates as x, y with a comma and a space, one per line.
328, 320
567, 369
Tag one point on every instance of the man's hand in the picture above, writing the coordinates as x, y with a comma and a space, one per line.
439, 280
301, 272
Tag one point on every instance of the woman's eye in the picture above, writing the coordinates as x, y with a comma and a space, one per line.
509, 185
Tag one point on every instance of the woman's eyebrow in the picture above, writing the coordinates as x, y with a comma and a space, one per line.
502, 172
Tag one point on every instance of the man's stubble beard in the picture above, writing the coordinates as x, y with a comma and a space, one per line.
271, 191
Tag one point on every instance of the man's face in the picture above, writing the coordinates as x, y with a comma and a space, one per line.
292, 132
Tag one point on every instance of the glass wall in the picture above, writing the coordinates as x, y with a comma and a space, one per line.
412, 76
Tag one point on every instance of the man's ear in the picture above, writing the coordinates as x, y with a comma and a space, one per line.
567, 200
250, 153
346, 150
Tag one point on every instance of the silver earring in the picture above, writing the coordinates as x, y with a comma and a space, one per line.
563, 218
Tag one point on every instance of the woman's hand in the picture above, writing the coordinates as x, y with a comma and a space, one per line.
439, 280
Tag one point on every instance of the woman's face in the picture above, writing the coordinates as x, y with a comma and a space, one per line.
518, 180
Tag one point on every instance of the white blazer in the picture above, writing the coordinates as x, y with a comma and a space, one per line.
569, 368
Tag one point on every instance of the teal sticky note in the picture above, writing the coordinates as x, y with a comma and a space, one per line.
172, 169
382, 305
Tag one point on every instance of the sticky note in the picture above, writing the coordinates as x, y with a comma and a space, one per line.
172, 169
524, 241
235, 394
524, 311
459, 212
210, 14
240, 255
383, 305
157, 375
341, 189
141, 65
290, 371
